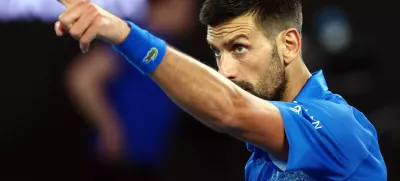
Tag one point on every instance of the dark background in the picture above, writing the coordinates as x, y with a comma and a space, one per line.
43, 136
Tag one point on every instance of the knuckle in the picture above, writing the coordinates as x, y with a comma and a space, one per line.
65, 21
75, 33
90, 6
96, 12
97, 20
62, 19
92, 14
84, 4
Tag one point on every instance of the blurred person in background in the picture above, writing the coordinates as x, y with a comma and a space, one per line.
131, 135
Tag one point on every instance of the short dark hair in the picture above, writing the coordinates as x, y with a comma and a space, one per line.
273, 16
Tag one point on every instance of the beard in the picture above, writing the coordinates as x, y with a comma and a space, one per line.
272, 84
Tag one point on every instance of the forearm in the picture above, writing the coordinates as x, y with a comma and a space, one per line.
93, 104
87, 77
95, 107
197, 88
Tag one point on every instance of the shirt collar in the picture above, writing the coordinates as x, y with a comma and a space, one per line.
314, 87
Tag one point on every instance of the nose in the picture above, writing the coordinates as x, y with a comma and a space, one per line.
227, 67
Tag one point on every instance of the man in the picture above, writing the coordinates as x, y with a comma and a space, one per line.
296, 128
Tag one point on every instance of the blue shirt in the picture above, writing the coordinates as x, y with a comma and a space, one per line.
328, 140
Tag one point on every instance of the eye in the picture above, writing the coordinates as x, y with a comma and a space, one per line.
239, 49
217, 53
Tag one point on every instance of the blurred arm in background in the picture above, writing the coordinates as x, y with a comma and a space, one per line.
87, 79
89, 75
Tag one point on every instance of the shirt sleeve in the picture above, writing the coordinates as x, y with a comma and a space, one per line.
326, 140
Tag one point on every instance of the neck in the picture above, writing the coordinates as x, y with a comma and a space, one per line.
297, 75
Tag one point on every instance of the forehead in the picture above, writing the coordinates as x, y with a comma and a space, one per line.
241, 25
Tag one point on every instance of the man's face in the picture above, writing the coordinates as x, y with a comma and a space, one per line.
248, 58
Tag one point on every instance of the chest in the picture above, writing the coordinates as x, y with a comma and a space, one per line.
262, 168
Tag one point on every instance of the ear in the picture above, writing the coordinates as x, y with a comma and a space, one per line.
291, 40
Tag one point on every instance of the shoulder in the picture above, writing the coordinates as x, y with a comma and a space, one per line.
332, 113
331, 133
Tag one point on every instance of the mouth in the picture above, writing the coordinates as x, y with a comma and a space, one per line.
244, 85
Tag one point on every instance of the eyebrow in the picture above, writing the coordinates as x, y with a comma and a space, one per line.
236, 37
230, 41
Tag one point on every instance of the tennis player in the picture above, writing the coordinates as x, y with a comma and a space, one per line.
263, 93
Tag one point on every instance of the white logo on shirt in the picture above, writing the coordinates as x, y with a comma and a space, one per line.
296, 109
315, 123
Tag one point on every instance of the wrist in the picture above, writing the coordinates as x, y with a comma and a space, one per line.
125, 30
142, 49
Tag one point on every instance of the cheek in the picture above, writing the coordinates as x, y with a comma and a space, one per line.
260, 61
254, 66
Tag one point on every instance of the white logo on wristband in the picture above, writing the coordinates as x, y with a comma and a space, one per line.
151, 55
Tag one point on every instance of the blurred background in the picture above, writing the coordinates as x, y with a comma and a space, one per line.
68, 116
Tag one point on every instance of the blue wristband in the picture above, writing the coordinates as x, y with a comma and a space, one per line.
142, 49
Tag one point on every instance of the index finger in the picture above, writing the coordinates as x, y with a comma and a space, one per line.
69, 3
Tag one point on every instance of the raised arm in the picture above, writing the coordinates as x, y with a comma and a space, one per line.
196, 88
219, 103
